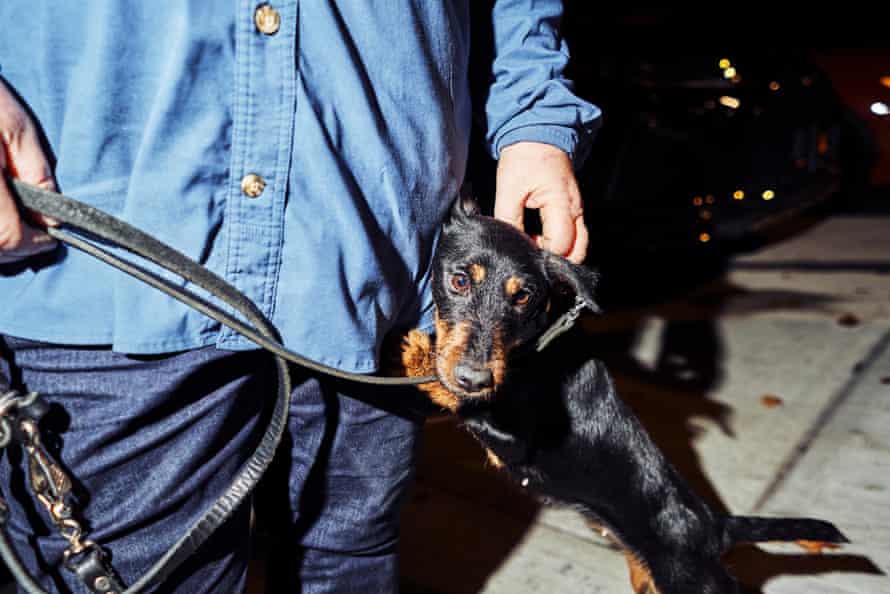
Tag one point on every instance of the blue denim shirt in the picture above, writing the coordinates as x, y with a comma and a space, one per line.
354, 113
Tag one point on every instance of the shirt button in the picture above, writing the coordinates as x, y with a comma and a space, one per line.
267, 19
252, 185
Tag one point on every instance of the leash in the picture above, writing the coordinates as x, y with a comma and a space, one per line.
19, 413
563, 324
113, 231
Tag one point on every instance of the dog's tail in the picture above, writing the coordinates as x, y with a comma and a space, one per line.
812, 534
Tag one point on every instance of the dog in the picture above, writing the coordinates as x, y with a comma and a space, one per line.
554, 421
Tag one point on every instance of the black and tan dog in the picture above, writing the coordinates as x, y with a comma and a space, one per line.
554, 421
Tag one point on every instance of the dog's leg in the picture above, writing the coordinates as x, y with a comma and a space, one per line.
494, 460
640, 577
501, 447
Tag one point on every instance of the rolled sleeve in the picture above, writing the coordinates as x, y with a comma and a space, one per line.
530, 99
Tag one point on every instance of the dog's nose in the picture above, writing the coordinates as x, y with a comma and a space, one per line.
473, 379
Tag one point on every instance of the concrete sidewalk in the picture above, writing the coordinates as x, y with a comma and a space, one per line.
769, 390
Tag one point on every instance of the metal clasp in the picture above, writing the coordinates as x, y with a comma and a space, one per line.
562, 324
51, 486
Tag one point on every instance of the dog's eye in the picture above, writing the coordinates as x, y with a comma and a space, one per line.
522, 297
460, 282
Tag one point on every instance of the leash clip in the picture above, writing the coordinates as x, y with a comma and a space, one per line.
562, 324
51, 486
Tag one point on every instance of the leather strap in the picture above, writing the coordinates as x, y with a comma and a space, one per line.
94, 572
112, 230
253, 324
103, 226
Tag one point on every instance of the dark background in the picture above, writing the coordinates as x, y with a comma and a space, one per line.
660, 179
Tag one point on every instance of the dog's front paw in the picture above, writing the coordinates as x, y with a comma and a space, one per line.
501, 445
483, 427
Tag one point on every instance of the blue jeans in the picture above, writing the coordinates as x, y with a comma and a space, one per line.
150, 441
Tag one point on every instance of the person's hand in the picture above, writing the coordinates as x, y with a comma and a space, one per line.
21, 156
540, 176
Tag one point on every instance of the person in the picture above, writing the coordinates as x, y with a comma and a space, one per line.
307, 152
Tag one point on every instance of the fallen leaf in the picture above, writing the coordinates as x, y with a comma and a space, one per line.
771, 401
816, 547
848, 319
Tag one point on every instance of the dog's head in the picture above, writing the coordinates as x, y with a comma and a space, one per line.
495, 292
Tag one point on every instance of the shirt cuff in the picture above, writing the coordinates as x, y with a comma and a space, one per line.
576, 145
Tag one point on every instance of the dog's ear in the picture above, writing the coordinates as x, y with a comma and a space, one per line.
581, 280
464, 206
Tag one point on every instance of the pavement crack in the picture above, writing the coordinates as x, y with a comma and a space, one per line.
829, 412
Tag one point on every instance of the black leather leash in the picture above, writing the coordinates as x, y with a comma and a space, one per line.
117, 233
88, 561
19, 413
